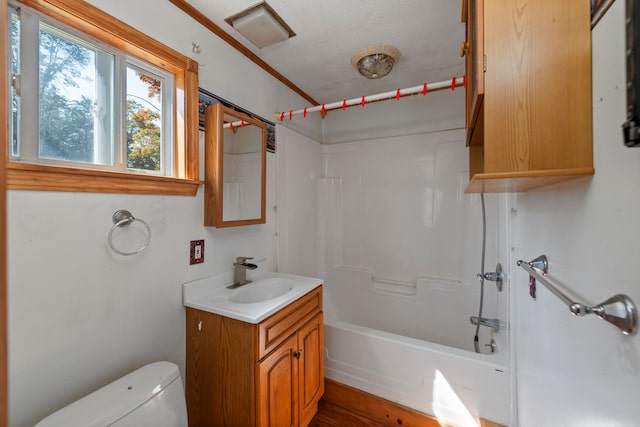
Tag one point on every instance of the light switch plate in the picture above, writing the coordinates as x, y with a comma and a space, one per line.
197, 252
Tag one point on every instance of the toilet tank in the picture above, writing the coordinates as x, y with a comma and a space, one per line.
152, 396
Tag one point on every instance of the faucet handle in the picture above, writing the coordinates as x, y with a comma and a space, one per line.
243, 259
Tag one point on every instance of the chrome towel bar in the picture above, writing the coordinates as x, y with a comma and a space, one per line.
619, 310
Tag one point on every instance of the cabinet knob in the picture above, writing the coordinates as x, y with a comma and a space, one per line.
297, 354
464, 48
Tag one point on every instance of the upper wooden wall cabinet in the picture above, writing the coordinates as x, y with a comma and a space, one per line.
528, 106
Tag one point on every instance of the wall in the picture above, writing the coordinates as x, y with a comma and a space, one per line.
582, 371
81, 316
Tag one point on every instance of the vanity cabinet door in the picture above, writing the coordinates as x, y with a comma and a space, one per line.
220, 370
278, 388
311, 368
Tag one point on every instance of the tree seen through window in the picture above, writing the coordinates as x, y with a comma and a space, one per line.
72, 81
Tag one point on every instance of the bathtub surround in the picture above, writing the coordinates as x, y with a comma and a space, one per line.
389, 213
398, 246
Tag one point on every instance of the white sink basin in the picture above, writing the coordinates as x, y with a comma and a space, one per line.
253, 302
261, 290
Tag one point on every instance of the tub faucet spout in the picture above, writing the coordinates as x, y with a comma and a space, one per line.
491, 323
240, 271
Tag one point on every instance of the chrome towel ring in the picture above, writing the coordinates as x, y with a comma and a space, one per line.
124, 218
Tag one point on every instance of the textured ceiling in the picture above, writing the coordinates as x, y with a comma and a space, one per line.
427, 33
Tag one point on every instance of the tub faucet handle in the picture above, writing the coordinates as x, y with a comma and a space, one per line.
492, 345
490, 276
493, 276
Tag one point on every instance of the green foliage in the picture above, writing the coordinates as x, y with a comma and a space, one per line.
66, 129
143, 137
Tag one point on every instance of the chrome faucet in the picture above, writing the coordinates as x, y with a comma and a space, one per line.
240, 271
494, 324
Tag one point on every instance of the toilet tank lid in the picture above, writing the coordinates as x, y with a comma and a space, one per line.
115, 400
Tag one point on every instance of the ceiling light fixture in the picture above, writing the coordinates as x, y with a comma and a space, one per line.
261, 25
375, 61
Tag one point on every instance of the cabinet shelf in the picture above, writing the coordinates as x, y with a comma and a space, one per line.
511, 182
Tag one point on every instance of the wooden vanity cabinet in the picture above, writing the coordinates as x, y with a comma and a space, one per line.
528, 108
269, 374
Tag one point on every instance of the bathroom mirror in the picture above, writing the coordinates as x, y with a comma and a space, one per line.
235, 168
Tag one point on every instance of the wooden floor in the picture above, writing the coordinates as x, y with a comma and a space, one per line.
330, 415
343, 406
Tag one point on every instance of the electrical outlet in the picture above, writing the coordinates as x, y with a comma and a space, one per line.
197, 252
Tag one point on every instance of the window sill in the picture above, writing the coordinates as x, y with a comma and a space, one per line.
23, 176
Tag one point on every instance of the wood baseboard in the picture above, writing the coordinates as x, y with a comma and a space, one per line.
380, 410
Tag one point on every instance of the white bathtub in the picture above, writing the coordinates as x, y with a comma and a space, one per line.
366, 349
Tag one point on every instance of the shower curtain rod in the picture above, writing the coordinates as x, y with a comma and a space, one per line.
235, 125
397, 94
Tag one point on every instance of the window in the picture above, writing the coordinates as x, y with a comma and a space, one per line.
81, 106
14, 71
146, 108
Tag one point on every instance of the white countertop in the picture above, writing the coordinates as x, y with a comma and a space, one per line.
211, 294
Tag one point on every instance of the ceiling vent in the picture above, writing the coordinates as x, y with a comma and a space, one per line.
261, 25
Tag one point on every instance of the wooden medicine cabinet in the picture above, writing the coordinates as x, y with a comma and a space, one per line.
528, 69
235, 168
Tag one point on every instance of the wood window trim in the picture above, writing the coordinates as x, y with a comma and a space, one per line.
94, 22
28, 176
4, 125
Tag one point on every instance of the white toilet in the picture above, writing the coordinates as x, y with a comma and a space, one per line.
152, 396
